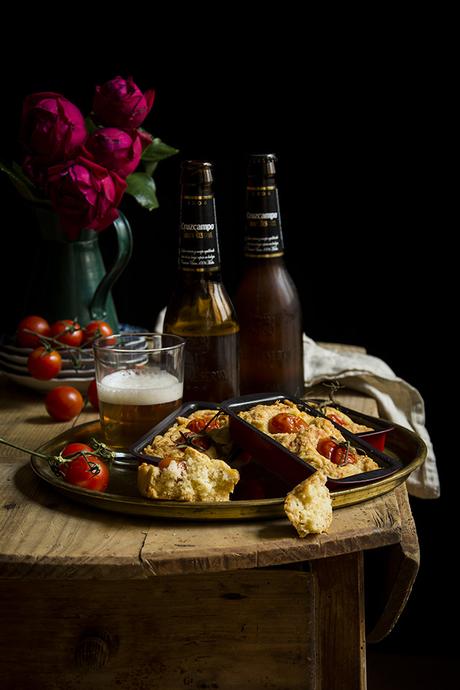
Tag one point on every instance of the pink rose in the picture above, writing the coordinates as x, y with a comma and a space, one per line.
115, 149
120, 103
52, 128
84, 195
36, 172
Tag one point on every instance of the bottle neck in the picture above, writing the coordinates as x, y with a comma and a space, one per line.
199, 244
263, 235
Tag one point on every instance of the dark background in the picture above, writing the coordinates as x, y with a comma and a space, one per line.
358, 133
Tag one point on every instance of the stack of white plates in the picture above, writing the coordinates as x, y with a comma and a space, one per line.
13, 364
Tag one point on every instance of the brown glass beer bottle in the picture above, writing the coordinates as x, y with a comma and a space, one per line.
200, 309
267, 301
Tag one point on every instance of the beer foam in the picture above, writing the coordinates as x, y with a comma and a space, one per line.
135, 387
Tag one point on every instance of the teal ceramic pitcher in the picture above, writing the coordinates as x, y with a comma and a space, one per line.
72, 281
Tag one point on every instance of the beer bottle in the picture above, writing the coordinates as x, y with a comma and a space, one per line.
267, 301
200, 309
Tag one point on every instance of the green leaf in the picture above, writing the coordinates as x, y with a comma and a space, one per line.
90, 126
150, 167
142, 187
22, 183
158, 151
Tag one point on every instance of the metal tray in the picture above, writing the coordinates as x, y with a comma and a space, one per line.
122, 494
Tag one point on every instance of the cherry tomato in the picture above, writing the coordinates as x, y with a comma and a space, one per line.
326, 446
44, 364
96, 329
88, 472
201, 442
336, 419
285, 423
67, 332
37, 324
335, 452
92, 394
68, 451
197, 425
340, 453
167, 460
64, 403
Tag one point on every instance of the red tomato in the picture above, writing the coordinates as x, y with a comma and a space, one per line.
67, 332
44, 364
197, 425
38, 325
201, 442
326, 446
335, 452
88, 472
64, 403
96, 329
339, 456
285, 423
336, 419
92, 394
68, 451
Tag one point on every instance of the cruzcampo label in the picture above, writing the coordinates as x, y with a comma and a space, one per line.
199, 247
263, 236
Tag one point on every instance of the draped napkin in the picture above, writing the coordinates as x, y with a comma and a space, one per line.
397, 400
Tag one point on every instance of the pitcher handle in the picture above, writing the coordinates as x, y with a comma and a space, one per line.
98, 305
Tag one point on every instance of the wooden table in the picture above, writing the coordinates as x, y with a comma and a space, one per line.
98, 600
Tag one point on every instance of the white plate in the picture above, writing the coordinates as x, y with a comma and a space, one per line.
65, 373
44, 386
20, 355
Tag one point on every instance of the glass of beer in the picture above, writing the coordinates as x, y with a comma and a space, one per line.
140, 379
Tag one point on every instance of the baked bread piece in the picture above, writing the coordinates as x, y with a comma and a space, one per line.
309, 505
190, 476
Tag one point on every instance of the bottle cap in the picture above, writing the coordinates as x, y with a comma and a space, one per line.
262, 165
196, 172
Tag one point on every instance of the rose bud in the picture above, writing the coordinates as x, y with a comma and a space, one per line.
120, 103
38, 174
84, 195
115, 150
52, 128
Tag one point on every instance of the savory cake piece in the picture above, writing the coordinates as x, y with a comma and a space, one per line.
187, 476
309, 506
206, 430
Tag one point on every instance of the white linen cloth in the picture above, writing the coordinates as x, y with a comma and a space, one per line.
397, 400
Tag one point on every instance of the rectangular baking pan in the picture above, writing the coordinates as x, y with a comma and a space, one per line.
377, 437
183, 411
278, 460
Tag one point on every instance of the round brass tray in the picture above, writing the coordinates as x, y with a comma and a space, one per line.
122, 495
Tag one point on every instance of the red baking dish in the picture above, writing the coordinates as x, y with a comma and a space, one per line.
375, 438
291, 469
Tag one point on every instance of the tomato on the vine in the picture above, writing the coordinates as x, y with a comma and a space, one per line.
64, 403
69, 450
198, 424
325, 447
96, 329
44, 364
92, 394
285, 423
38, 325
88, 471
336, 452
335, 418
67, 332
